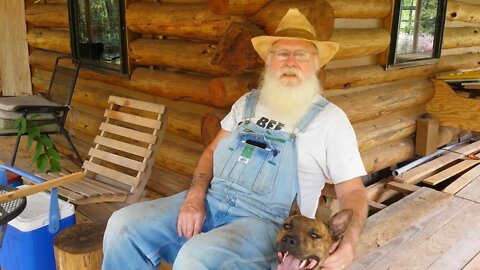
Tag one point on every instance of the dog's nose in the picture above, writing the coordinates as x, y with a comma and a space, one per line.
290, 241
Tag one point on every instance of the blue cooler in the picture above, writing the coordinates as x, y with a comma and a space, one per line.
27, 243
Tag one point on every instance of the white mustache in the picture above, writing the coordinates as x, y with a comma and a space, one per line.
289, 71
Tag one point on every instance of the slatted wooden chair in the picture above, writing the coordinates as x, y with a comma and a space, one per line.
123, 154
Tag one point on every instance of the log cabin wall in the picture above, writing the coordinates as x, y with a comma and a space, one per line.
173, 42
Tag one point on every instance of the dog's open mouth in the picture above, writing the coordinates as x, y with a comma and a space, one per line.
307, 263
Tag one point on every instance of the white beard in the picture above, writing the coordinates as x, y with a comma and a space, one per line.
288, 103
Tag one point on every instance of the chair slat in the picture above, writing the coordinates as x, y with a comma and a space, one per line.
137, 104
103, 186
133, 119
112, 174
129, 133
123, 146
116, 159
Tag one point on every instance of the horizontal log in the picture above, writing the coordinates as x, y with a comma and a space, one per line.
236, 7
360, 42
45, 60
378, 100
388, 128
165, 182
179, 155
461, 37
93, 96
224, 91
318, 12
48, 15
176, 53
389, 154
361, 9
49, 39
464, 12
176, 86
193, 21
368, 75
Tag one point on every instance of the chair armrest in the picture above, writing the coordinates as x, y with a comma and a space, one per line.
41, 185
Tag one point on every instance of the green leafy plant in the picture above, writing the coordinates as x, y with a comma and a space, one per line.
45, 153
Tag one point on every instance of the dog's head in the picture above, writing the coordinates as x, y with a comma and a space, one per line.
308, 241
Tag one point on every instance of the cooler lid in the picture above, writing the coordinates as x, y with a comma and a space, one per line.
36, 214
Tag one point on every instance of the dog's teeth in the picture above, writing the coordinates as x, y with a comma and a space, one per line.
302, 264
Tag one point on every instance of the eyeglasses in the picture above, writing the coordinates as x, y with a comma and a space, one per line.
299, 55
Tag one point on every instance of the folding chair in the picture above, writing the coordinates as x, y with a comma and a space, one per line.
47, 112
122, 157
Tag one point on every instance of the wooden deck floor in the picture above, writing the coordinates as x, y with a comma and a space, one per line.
427, 229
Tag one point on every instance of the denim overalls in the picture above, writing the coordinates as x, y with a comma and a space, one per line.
255, 180
257, 167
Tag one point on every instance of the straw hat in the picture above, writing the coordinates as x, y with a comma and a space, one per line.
294, 26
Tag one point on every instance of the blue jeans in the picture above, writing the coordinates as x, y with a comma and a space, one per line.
141, 235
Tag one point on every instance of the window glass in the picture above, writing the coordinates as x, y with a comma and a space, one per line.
98, 33
417, 29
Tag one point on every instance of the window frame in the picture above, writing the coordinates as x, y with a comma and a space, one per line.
97, 64
437, 42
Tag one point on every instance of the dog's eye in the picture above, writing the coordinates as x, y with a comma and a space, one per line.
287, 226
314, 235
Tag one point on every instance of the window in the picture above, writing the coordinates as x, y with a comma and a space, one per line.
97, 30
417, 30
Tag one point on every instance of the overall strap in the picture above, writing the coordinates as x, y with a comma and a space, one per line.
250, 104
311, 113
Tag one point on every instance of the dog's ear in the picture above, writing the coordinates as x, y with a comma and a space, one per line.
338, 223
294, 209
323, 213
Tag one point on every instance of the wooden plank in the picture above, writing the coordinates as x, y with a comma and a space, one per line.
376, 206
463, 180
82, 189
462, 247
471, 191
474, 263
133, 119
452, 110
394, 247
137, 104
415, 175
112, 174
402, 187
123, 146
116, 159
399, 216
423, 254
129, 133
449, 172
12, 195
15, 79
101, 185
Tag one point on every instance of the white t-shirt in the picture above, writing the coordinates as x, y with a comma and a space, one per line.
327, 149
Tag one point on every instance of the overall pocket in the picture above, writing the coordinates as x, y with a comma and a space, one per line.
247, 163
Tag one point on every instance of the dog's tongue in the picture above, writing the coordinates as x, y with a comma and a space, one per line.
288, 263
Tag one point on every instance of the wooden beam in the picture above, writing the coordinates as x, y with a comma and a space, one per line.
452, 110
463, 180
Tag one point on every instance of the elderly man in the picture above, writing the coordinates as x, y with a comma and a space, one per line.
281, 140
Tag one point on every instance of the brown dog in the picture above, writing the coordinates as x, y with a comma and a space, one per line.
308, 241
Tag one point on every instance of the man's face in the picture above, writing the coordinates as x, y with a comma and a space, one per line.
292, 70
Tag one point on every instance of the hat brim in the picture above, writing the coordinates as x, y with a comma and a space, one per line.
326, 49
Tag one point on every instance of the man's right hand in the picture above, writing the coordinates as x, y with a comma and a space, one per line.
191, 217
